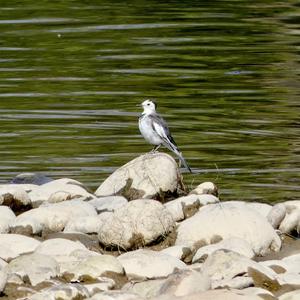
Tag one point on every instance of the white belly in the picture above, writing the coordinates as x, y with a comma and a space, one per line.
147, 131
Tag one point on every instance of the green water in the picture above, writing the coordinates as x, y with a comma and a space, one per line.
225, 75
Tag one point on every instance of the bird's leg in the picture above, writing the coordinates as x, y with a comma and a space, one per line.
155, 148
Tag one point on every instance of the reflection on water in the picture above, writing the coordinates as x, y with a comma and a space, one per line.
225, 76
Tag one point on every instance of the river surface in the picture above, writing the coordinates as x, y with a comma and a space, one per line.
225, 75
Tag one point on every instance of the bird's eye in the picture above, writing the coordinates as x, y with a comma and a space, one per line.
148, 104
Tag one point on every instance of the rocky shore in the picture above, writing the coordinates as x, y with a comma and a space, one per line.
142, 235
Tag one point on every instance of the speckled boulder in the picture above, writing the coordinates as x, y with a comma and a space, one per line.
147, 176
139, 222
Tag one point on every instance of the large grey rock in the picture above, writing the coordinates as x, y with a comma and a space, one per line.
108, 204
51, 217
6, 218
13, 245
57, 191
34, 267
147, 176
31, 178
144, 263
137, 223
225, 220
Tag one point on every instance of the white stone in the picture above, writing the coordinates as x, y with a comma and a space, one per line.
293, 295
58, 190
144, 263
95, 266
91, 224
224, 265
177, 251
13, 245
13, 195
36, 267
185, 282
115, 295
61, 292
256, 291
219, 294
234, 244
276, 215
6, 218
239, 282
205, 188
177, 207
292, 263
108, 204
58, 246
179, 283
146, 176
3, 278
140, 220
52, 217
102, 284
228, 220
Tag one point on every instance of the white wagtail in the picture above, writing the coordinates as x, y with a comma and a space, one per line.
155, 130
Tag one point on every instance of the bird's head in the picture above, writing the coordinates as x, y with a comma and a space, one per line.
149, 106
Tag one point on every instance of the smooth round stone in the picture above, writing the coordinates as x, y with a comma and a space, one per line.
115, 295
6, 218
184, 207
58, 190
35, 267
14, 196
91, 224
51, 217
224, 265
144, 263
108, 204
226, 220
205, 188
138, 222
276, 215
3, 278
293, 295
94, 267
233, 244
13, 245
147, 176
62, 292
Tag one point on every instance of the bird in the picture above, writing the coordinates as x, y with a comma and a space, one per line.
155, 130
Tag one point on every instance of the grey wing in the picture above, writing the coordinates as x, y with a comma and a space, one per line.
160, 126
